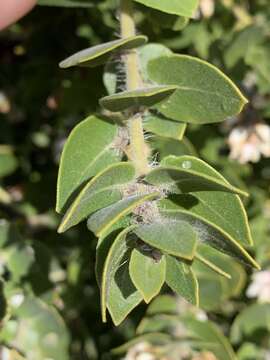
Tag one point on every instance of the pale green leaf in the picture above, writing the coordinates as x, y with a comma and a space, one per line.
99, 54
170, 236
104, 219
211, 335
222, 208
147, 273
176, 7
252, 319
101, 191
161, 126
189, 174
208, 232
182, 280
118, 293
41, 332
204, 94
136, 98
88, 150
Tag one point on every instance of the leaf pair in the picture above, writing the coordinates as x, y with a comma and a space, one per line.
132, 273
183, 88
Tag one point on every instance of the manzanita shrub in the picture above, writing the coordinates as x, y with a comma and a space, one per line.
157, 216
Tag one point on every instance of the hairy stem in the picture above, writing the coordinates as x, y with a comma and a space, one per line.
139, 150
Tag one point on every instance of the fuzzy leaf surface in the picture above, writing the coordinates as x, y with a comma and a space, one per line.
204, 94
208, 232
88, 150
147, 274
173, 237
105, 218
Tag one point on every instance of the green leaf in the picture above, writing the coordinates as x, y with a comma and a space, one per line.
170, 236
136, 98
181, 180
8, 162
222, 208
176, 7
101, 191
66, 3
204, 94
182, 280
118, 293
99, 54
84, 156
103, 219
208, 232
204, 260
167, 21
210, 334
161, 126
223, 265
249, 321
40, 331
147, 273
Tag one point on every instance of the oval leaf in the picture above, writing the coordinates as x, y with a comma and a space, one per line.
176, 7
171, 236
101, 191
136, 98
147, 273
118, 293
84, 156
99, 54
182, 280
204, 94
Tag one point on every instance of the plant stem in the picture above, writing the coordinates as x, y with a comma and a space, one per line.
139, 150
